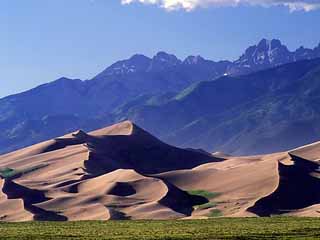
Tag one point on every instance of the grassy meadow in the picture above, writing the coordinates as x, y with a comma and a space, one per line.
218, 228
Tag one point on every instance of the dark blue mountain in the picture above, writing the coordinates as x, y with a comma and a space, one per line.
65, 105
267, 111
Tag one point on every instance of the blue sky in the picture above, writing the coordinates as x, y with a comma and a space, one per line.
44, 40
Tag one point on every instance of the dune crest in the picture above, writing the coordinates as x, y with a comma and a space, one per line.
123, 172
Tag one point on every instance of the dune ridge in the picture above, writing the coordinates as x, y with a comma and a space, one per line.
123, 172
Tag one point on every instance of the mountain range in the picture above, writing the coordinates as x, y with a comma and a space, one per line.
258, 113
187, 102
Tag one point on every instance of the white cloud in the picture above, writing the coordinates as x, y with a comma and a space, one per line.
188, 5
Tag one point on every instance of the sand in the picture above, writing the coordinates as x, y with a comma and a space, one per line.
123, 172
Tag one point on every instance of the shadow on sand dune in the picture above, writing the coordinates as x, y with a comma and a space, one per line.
142, 152
115, 169
30, 197
299, 187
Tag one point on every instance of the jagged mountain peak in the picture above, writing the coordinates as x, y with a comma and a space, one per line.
63, 79
163, 54
136, 63
166, 58
137, 59
163, 60
267, 53
264, 54
193, 60
303, 53
266, 49
141, 63
269, 44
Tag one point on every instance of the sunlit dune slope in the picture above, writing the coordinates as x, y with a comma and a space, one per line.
123, 172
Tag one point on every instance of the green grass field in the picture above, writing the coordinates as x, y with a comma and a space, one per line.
220, 228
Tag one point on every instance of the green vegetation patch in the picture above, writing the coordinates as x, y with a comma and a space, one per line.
204, 193
187, 91
206, 206
213, 228
11, 173
215, 213
211, 204
7, 172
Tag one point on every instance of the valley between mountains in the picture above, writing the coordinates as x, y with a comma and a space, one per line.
123, 172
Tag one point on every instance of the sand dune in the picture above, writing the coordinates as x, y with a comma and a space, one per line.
298, 188
310, 152
123, 172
